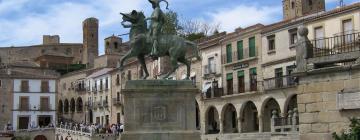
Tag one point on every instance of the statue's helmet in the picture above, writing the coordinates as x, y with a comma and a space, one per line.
156, 3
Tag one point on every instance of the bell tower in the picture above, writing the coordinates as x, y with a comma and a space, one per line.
297, 8
90, 41
113, 45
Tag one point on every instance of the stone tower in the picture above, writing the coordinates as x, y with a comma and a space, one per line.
113, 45
90, 41
298, 8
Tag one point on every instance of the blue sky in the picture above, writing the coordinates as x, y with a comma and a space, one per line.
23, 22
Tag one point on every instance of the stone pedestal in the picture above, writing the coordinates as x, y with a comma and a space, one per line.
159, 110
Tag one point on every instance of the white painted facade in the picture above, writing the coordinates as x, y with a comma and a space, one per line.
34, 96
97, 96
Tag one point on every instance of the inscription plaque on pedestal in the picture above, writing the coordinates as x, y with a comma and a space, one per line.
160, 110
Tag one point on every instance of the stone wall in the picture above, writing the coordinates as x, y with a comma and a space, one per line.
317, 102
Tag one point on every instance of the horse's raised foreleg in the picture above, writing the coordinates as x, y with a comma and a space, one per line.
187, 63
123, 59
174, 66
141, 59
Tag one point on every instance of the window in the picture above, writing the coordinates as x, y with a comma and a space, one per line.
240, 50
129, 75
117, 79
229, 81
347, 30
310, 2
293, 37
253, 79
118, 118
228, 53
118, 96
64, 86
290, 79
107, 44
211, 65
271, 43
24, 86
101, 85
292, 5
0, 83
106, 83
24, 103
252, 48
319, 36
278, 77
44, 86
241, 81
44, 103
115, 45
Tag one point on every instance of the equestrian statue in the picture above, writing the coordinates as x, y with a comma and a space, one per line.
151, 42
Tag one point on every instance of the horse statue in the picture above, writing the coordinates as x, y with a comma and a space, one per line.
140, 43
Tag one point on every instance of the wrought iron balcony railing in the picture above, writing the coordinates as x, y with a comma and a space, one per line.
340, 43
280, 82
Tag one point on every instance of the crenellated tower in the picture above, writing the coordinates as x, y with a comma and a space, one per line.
90, 41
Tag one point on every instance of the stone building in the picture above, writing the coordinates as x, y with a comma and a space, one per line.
28, 96
298, 8
53, 54
99, 98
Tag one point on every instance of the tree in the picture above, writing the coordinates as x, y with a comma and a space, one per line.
352, 134
171, 25
189, 29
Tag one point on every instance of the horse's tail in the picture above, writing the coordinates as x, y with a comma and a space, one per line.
195, 49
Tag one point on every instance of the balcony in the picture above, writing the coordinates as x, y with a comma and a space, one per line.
211, 70
116, 101
218, 92
280, 82
105, 103
344, 42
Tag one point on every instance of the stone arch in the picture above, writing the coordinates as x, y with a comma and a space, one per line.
79, 104
40, 137
197, 117
229, 116
212, 123
60, 107
249, 117
66, 106
268, 106
72, 105
290, 104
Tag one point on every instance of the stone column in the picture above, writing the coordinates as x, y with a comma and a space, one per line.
221, 121
260, 124
272, 123
239, 124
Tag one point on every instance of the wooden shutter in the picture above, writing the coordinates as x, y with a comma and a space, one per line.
240, 50
228, 53
44, 86
24, 86
252, 48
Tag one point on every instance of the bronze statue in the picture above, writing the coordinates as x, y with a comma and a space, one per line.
157, 21
141, 43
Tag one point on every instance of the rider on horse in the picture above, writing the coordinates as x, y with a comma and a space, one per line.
157, 21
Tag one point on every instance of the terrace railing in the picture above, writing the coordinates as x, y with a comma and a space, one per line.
340, 43
280, 82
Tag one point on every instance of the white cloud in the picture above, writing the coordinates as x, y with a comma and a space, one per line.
331, 1
64, 19
245, 15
